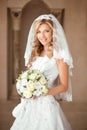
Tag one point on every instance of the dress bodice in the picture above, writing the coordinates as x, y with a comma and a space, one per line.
48, 67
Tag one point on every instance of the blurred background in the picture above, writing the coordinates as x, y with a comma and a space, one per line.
16, 18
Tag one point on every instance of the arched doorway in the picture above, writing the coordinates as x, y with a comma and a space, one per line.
22, 20
32, 10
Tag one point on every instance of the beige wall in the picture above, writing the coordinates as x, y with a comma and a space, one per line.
76, 33
3, 50
75, 26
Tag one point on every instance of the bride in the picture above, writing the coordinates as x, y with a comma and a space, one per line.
47, 51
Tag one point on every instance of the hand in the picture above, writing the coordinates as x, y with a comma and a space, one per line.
34, 97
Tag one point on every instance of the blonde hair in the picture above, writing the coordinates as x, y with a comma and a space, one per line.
38, 47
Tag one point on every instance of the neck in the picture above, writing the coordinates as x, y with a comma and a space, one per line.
46, 47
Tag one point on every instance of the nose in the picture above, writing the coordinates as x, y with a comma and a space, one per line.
42, 35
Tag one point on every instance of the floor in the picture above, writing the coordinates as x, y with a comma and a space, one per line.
76, 113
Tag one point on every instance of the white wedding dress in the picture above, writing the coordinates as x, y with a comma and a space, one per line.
43, 113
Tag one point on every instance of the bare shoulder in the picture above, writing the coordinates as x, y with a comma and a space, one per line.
61, 63
63, 71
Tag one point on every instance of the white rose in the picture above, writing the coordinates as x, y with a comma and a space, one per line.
23, 82
37, 85
18, 84
32, 76
44, 89
27, 94
24, 75
37, 93
30, 86
43, 80
19, 87
38, 76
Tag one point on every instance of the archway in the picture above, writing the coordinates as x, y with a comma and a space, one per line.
32, 10
22, 20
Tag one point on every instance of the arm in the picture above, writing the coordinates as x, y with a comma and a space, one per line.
63, 77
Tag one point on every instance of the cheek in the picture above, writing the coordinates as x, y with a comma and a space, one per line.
37, 37
50, 36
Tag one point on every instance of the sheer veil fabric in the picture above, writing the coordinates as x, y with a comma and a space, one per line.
60, 49
44, 112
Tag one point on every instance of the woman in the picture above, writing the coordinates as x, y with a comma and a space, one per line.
48, 52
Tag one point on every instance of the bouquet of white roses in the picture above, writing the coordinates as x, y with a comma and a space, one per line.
31, 83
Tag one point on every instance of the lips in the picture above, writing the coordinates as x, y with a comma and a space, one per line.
43, 40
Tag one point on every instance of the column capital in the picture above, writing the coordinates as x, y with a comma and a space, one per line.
16, 12
16, 18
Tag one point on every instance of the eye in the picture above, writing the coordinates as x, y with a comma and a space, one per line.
38, 31
47, 30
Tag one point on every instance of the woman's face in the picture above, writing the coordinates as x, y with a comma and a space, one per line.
44, 34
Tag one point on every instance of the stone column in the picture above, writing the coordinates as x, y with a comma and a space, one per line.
16, 25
